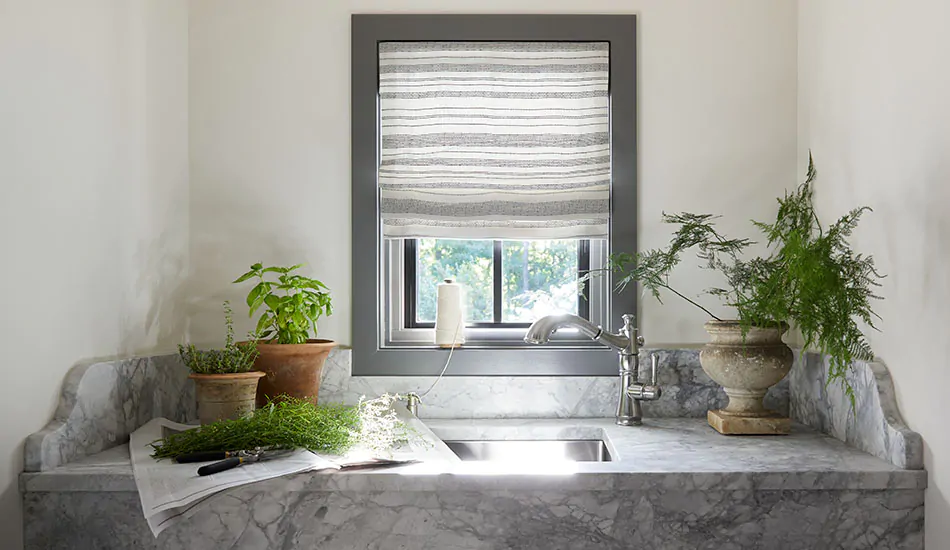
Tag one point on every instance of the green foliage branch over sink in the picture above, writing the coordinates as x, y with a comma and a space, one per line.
292, 303
809, 277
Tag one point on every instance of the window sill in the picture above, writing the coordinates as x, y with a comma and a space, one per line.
554, 359
495, 344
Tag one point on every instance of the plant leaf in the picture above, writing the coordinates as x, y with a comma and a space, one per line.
256, 304
265, 321
255, 293
315, 284
245, 277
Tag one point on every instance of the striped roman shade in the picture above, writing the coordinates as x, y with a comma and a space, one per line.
494, 140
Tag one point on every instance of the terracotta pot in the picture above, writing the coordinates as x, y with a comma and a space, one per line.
745, 367
291, 369
225, 396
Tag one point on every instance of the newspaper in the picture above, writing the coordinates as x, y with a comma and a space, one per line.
171, 492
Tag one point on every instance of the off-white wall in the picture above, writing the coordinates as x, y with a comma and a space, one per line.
269, 92
875, 109
94, 138
94, 208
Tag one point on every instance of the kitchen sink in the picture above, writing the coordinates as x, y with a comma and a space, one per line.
588, 450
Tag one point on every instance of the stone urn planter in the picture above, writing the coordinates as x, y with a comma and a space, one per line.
291, 369
746, 367
225, 396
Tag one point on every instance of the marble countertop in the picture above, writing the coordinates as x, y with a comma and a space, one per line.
670, 453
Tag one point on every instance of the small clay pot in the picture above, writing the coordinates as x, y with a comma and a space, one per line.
291, 369
225, 396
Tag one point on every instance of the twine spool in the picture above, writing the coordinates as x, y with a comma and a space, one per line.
449, 315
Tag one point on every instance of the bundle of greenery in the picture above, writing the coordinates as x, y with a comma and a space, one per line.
290, 423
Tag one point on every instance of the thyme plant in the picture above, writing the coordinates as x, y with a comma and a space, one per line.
233, 358
810, 275
293, 303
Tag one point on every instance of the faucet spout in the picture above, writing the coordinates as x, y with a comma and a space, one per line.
627, 343
541, 330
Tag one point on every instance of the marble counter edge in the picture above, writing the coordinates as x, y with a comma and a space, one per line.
111, 471
56, 482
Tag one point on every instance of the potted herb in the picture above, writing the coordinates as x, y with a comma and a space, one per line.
809, 277
290, 358
225, 382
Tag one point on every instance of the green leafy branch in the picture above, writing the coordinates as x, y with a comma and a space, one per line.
652, 268
290, 423
828, 287
284, 424
810, 277
293, 303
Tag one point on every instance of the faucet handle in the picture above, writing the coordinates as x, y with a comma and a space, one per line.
629, 329
650, 391
412, 403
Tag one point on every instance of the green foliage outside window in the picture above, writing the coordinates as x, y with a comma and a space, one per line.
538, 277
469, 262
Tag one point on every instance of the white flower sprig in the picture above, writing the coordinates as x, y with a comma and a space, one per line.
380, 428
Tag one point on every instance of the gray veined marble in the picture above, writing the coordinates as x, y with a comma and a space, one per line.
102, 403
664, 453
875, 425
262, 517
687, 391
675, 484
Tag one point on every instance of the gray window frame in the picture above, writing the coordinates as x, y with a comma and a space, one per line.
370, 357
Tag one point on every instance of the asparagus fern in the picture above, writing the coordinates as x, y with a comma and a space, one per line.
810, 275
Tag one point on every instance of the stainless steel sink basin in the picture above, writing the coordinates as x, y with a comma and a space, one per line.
589, 450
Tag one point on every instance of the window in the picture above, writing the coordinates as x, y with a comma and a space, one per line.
493, 150
510, 283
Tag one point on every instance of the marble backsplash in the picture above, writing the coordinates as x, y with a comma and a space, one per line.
687, 391
874, 425
102, 403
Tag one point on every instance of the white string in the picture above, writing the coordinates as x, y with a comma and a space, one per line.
448, 360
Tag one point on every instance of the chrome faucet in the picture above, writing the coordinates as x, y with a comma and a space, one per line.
627, 344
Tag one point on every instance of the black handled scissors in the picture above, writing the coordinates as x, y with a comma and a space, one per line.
227, 460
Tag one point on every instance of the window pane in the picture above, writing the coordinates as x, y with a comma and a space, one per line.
539, 278
468, 262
